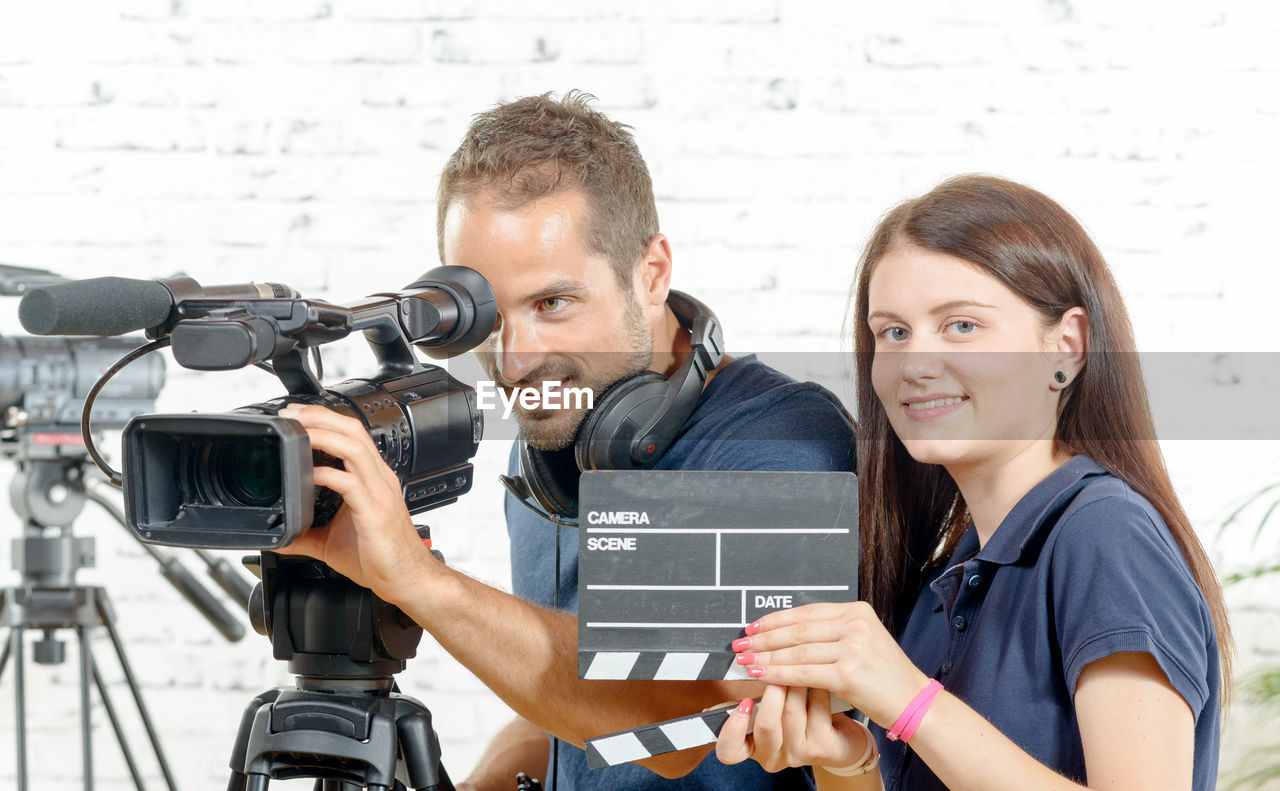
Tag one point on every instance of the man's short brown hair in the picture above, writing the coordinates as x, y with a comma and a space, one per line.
529, 148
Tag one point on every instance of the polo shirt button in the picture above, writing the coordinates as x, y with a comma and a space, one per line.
959, 623
975, 582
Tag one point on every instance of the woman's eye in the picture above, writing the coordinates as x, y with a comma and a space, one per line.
895, 334
964, 327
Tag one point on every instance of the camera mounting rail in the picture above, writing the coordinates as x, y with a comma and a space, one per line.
227, 334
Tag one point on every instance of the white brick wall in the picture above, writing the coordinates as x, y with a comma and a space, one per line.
300, 140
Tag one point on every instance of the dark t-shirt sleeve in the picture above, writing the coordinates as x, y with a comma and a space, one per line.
803, 432
1120, 584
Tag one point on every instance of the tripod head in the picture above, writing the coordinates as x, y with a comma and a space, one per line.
335, 635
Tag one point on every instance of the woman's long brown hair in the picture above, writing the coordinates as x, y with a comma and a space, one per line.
912, 514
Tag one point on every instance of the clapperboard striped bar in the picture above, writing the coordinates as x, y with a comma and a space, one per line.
672, 565
660, 665
660, 738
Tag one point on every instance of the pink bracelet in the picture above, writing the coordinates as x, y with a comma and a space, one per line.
905, 726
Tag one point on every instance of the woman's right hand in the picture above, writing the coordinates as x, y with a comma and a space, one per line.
839, 646
794, 726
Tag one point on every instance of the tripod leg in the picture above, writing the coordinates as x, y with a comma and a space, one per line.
4, 654
109, 621
19, 701
86, 735
420, 749
115, 726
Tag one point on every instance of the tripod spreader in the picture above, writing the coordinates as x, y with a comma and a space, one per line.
355, 739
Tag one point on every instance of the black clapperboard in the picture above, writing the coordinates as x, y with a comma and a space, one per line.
672, 565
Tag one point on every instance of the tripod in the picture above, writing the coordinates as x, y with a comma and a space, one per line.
48, 494
344, 723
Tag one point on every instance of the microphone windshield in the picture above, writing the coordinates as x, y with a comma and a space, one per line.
98, 306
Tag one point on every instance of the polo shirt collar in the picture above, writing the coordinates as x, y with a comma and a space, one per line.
1036, 510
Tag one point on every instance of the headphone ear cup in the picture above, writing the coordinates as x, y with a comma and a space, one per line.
552, 478
604, 439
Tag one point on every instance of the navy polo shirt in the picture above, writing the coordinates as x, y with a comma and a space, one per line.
1082, 568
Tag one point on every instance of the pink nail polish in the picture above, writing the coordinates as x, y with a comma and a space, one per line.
745, 659
752, 628
745, 706
755, 672
741, 644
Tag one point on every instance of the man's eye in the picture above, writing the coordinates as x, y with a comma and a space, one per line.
551, 304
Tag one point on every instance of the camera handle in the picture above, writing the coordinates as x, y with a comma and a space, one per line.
385, 337
293, 371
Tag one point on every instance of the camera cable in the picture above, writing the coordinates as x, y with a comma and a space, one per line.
113, 477
555, 603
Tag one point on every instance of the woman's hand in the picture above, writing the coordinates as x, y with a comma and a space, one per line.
794, 726
371, 540
841, 647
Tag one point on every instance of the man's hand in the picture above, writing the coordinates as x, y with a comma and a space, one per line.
371, 540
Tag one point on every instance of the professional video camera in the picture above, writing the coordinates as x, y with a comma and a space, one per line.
243, 479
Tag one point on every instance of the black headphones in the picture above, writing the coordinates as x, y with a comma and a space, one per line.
632, 424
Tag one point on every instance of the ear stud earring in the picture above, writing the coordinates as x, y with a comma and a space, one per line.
1060, 377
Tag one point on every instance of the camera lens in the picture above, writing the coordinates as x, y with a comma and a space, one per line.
248, 471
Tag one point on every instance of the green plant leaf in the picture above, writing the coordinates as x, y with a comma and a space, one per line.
1249, 574
1250, 500
1263, 522
1263, 775
1262, 685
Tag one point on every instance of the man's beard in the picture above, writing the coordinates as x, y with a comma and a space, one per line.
556, 429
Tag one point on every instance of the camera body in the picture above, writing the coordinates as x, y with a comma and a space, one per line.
243, 479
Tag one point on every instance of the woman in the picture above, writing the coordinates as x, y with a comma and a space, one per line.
1039, 613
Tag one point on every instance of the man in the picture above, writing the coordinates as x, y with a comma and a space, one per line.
552, 203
